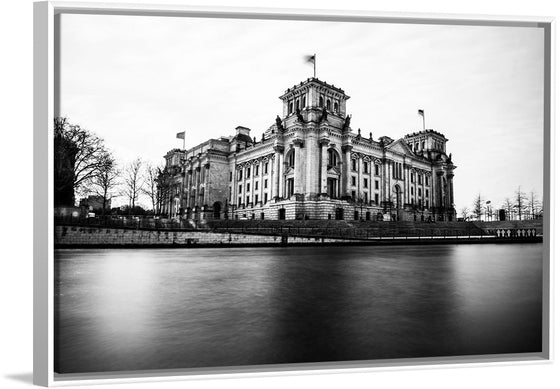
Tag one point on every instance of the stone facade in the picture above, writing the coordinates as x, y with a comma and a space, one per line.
310, 164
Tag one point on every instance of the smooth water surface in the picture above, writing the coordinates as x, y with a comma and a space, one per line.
120, 309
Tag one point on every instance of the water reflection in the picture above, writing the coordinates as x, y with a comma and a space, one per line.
156, 309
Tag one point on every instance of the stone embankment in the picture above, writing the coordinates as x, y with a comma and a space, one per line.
291, 233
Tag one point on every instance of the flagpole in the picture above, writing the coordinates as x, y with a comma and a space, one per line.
314, 65
423, 120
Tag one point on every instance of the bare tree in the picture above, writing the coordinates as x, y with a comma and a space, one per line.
151, 176
534, 205
133, 182
478, 206
520, 202
464, 213
106, 180
509, 208
78, 158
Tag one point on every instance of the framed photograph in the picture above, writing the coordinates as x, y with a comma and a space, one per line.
225, 191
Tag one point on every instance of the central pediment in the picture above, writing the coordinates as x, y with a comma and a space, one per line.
400, 147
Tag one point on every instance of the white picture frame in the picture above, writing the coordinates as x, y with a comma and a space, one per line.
45, 14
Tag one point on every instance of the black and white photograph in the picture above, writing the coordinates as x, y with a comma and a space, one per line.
274, 193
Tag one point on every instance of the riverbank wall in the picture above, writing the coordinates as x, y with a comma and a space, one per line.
84, 237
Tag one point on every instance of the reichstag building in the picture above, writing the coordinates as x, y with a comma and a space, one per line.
310, 164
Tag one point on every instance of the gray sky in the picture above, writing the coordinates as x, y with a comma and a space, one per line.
137, 81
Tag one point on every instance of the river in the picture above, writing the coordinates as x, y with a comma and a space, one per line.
137, 309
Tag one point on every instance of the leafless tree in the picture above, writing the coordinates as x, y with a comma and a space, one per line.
133, 182
104, 183
464, 213
78, 158
151, 176
520, 202
534, 205
478, 206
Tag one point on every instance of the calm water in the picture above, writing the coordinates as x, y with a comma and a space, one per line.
157, 309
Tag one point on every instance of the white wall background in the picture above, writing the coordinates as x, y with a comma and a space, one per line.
16, 200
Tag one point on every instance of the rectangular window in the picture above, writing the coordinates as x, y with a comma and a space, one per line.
265, 184
256, 185
353, 165
420, 179
240, 189
256, 170
247, 200
256, 199
412, 177
412, 191
230, 176
365, 182
239, 174
353, 180
248, 187
266, 168
427, 193
239, 201
376, 169
248, 172
365, 167
377, 198
376, 184
265, 198
353, 195
365, 197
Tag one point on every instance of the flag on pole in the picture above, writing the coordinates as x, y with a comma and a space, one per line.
311, 59
421, 112
488, 202
181, 135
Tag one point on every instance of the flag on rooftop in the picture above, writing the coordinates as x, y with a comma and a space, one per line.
181, 135
310, 58
421, 112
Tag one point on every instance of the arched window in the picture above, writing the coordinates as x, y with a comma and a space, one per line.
291, 108
335, 106
329, 105
332, 158
320, 101
297, 104
303, 105
291, 158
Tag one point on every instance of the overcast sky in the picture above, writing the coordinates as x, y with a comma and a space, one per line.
136, 81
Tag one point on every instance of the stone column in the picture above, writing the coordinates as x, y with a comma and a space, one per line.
324, 162
371, 183
243, 183
386, 180
206, 183
299, 166
346, 168
197, 186
406, 184
261, 180
188, 178
359, 183
312, 168
276, 176
450, 189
